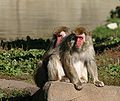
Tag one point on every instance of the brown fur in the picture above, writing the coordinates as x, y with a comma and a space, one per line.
48, 69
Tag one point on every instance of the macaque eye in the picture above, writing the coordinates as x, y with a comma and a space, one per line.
80, 38
59, 36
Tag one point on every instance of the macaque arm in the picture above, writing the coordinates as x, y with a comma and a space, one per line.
92, 69
52, 71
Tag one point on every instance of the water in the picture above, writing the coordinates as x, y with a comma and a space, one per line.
37, 18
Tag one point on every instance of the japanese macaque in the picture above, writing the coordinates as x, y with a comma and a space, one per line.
55, 68
72, 60
58, 34
46, 69
78, 58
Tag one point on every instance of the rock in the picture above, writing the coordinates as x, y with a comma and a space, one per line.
112, 26
18, 85
61, 91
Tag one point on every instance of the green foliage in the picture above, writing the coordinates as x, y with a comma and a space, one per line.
113, 70
2, 94
115, 13
9, 94
108, 61
109, 67
18, 61
105, 37
117, 20
110, 74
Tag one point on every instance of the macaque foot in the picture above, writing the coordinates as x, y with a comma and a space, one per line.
83, 80
65, 79
99, 83
78, 86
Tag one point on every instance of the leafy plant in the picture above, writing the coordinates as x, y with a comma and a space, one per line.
105, 37
8, 95
109, 66
18, 61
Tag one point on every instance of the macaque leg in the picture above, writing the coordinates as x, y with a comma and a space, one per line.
40, 75
52, 71
55, 70
84, 75
92, 69
65, 79
81, 70
71, 73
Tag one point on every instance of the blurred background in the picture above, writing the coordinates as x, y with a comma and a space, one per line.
37, 18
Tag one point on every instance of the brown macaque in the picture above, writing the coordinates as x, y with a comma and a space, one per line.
50, 67
78, 58
58, 34
54, 67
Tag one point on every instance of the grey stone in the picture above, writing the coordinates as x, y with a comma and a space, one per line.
61, 91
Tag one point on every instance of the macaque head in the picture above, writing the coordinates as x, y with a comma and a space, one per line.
68, 43
59, 33
80, 37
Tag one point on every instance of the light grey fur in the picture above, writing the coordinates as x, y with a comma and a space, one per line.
78, 61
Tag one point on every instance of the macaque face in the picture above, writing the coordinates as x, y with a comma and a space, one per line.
80, 39
59, 37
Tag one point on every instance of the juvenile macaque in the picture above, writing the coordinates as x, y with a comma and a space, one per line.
48, 69
78, 58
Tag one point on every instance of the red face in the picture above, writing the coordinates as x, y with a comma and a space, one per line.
80, 39
60, 37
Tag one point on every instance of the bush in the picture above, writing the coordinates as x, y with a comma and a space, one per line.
105, 37
18, 61
115, 13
